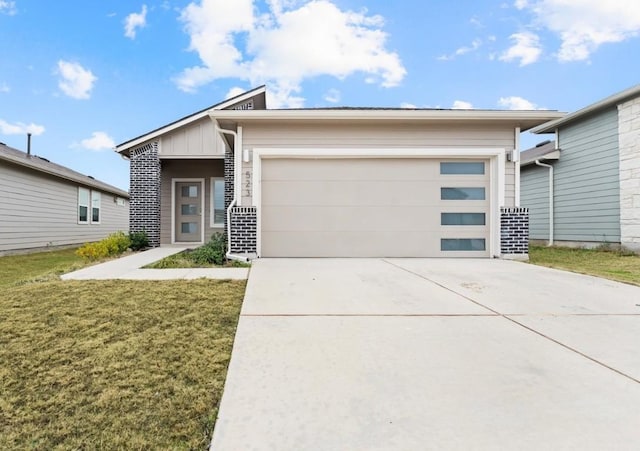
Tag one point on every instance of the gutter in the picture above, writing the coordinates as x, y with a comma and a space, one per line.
236, 139
551, 225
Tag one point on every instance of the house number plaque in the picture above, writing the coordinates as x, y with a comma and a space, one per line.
246, 185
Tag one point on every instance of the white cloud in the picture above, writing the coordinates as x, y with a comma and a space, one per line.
75, 81
475, 45
8, 7
291, 42
527, 48
461, 105
407, 105
4, 88
332, 96
235, 91
98, 141
521, 4
584, 25
20, 128
516, 103
134, 21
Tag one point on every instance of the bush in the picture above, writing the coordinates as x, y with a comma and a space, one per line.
139, 240
114, 244
212, 252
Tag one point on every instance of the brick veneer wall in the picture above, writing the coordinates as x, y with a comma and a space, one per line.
514, 231
244, 230
144, 191
228, 181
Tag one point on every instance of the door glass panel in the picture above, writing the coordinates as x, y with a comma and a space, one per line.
462, 244
462, 167
189, 227
190, 191
462, 219
462, 194
189, 209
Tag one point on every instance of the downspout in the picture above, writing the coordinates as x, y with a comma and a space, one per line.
515, 158
233, 202
551, 206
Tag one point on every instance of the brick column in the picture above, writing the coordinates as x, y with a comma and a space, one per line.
514, 233
144, 192
244, 233
228, 181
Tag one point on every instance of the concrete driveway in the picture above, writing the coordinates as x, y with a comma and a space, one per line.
421, 354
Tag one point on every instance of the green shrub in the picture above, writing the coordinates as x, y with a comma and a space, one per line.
139, 240
114, 244
212, 252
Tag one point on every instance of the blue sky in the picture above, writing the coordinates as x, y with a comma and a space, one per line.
82, 76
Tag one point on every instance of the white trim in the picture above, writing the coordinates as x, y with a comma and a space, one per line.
237, 168
212, 223
516, 162
173, 209
187, 120
80, 188
496, 158
192, 157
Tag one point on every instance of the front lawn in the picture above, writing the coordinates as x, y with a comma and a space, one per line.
17, 268
610, 264
112, 364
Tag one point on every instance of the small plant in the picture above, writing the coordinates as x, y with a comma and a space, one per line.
139, 240
212, 252
114, 244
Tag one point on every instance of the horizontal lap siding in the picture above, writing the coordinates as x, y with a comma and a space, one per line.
38, 210
587, 188
347, 136
535, 196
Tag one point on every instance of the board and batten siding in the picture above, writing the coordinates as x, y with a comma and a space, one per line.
195, 140
185, 169
587, 181
534, 182
385, 136
38, 210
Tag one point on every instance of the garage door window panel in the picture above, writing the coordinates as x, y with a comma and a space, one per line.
462, 168
462, 244
455, 193
464, 219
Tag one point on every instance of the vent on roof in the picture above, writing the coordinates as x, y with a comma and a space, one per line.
543, 143
91, 177
42, 158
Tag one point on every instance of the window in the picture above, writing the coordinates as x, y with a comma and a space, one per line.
465, 219
95, 207
83, 206
462, 194
462, 244
462, 168
217, 202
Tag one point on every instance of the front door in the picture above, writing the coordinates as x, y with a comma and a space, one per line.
188, 212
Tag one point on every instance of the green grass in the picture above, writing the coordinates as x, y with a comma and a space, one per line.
610, 264
183, 260
110, 364
42, 265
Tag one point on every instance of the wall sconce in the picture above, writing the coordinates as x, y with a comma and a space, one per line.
246, 155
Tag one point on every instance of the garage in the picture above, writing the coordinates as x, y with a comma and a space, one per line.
374, 207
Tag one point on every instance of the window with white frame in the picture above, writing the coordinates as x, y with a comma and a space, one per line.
217, 202
95, 207
83, 206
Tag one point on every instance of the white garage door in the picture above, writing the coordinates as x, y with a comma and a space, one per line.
374, 207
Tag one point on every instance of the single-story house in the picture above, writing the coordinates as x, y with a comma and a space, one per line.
334, 182
584, 188
43, 204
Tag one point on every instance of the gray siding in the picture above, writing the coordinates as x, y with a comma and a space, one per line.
39, 210
534, 182
587, 184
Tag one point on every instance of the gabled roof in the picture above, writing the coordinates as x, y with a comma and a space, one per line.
546, 150
43, 165
610, 101
127, 145
523, 119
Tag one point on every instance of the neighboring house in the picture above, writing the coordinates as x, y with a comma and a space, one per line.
43, 204
593, 172
339, 182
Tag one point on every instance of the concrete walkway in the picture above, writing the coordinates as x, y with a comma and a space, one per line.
130, 267
431, 354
